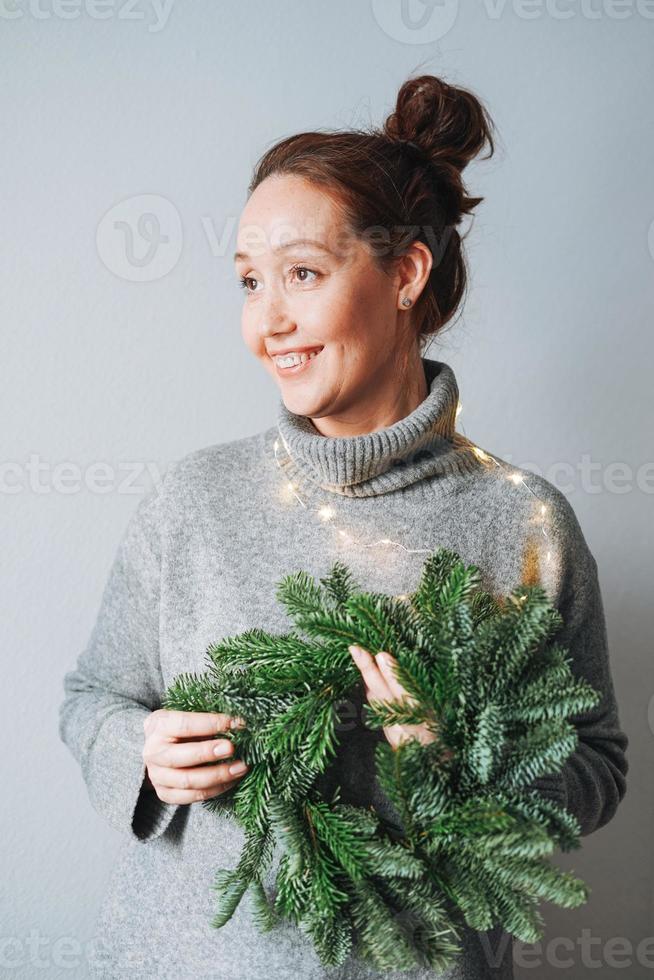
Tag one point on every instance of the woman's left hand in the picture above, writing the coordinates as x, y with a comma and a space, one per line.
381, 685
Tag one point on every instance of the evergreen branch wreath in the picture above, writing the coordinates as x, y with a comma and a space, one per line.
487, 677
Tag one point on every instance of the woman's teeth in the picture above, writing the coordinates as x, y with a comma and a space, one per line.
290, 360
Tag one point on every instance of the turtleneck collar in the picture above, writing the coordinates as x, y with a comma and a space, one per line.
422, 444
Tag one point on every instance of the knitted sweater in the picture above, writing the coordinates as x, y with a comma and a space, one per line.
199, 561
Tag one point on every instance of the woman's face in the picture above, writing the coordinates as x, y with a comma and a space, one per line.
327, 294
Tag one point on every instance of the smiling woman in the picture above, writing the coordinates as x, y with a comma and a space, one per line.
357, 254
350, 262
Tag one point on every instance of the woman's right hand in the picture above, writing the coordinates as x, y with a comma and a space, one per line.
177, 743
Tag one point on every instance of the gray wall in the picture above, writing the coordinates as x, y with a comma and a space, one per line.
130, 360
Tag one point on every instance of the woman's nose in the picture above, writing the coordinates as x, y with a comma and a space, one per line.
274, 320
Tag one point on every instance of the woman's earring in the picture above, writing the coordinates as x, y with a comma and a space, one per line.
406, 301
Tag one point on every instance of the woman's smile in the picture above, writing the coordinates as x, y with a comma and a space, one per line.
294, 362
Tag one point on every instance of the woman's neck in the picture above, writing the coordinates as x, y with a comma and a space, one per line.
422, 444
382, 404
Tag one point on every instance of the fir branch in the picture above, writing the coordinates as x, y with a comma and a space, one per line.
300, 595
263, 911
230, 888
542, 750
344, 839
339, 584
381, 937
486, 675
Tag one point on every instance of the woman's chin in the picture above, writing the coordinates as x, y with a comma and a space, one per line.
302, 402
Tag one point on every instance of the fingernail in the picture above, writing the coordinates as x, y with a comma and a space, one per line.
384, 659
237, 723
354, 650
237, 768
223, 748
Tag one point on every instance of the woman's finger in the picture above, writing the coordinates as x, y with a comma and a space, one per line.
198, 777
186, 724
191, 753
186, 796
387, 664
377, 688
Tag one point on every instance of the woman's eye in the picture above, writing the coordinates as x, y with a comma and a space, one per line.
244, 283
303, 268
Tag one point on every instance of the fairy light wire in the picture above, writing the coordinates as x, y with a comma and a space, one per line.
326, 512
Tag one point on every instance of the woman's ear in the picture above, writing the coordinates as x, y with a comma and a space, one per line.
413, 271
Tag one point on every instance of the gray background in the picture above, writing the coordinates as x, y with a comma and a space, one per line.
123, 350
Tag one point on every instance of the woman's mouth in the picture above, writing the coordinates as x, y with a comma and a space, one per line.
295, 361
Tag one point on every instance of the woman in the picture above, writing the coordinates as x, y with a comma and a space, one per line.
350, 258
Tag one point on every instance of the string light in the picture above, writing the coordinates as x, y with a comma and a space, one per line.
518, 480
327, 514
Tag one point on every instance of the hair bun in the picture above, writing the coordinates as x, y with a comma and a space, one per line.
447, 123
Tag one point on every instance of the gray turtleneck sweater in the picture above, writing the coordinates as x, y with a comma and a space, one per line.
200, 560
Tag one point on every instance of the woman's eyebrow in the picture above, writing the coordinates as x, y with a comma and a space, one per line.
296, 241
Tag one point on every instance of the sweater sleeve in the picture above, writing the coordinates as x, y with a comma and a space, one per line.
592, 782
117, 682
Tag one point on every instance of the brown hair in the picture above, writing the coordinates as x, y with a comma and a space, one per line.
403, 180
